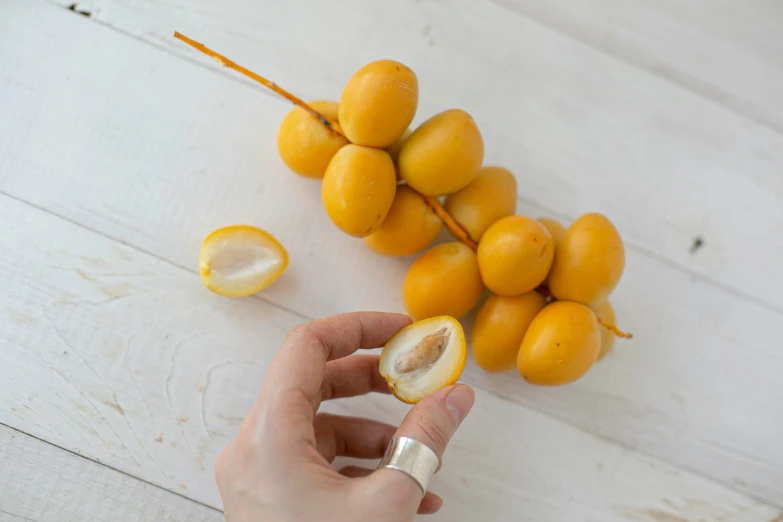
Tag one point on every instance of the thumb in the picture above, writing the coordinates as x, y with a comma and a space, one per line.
432, 422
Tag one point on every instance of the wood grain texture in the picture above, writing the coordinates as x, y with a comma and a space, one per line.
117, 353
127, 360
581, 130
156, 152
43, 483
124, 358
725, 51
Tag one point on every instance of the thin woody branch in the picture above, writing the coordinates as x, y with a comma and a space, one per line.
454, 227
225, 62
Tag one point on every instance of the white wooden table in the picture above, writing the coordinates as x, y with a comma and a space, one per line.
121, 378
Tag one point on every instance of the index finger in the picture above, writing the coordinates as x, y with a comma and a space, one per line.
301, 361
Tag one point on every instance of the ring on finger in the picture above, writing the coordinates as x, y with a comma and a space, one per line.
411, 457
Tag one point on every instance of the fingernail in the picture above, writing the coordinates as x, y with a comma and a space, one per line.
459, 401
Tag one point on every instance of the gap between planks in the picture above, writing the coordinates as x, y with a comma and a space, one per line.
639, 62
670, 75
139, 249
548, 414
609, 440
214, 70
99, 463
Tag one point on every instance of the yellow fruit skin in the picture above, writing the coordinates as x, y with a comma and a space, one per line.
492, 195
378, 103
556, 229
409, 226
515, 255
443, 154
394, 149
445, 280
500, 326
304, 144
588, 262
560, 346
358, 189
453, 377
606, 313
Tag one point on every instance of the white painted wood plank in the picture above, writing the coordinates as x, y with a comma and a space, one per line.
158, 174
126, 360
122, 357
41, 482
580, 129
730, 52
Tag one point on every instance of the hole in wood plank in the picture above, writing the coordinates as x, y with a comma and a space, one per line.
698, 242
75, 9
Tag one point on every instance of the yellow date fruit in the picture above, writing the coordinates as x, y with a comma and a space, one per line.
305, 145
560, 346
445, 280
394, 149
501, 324
410, 226
556, 229
378, 103
606, 313
241, 260
589, 261
515, 255
443, 154
424, 357
358, 189
491, 196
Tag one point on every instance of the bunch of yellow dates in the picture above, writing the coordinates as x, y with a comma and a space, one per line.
382, 182
396, 188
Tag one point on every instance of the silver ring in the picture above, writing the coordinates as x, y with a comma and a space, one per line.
413, 458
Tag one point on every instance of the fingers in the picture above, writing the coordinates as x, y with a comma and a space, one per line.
430, 504
355, 472
300, 364
432, 422
356, 437
352, 376
434, 419
342, 334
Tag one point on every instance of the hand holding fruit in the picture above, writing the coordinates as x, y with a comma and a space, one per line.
279, 465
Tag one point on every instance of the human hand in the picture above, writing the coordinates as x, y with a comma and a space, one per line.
278, 468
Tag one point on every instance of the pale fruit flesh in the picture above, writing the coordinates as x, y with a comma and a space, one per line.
241, 260
424, 357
